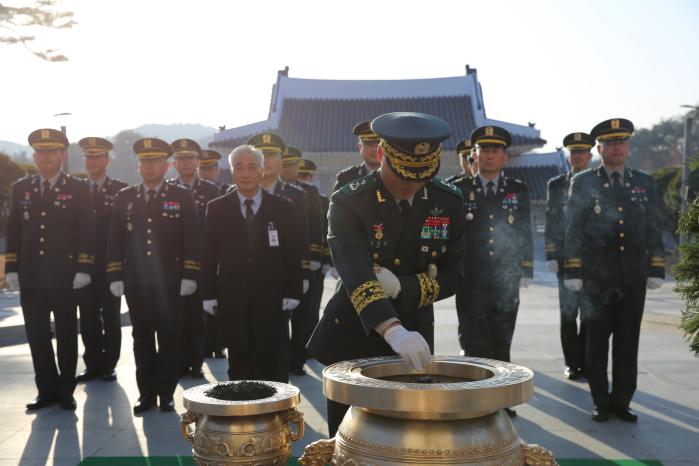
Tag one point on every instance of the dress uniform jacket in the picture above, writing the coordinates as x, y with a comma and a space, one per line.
351, 173
50, 238
613, 243
202, 192
366, 228
498, 235
100, 322
557, 198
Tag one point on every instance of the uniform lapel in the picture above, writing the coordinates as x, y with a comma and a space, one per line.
412, 224
387, 207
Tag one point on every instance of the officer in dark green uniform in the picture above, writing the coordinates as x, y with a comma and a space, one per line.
301, 328
572, 338
613, 252
153, 258
100, 318
466, 160
367, 146
209, 168
186, 153
396, 238
499, 249
50, 255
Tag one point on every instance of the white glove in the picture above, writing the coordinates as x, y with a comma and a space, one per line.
12, 279
187, 287
326, 268
209, 306
117, 288
289, 304
552, 266
81, 280
333, 273
306, 285
573, 284
409, 345
388, 281
654, 283
314, 265
524, 282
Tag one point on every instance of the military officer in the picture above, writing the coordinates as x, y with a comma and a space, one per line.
100, 318
251, 270
498, 259
209, 169
367, 145
613, 252
153, 258
301, 328
396, 237
50, 254
466, 160
572, 338
186, 153
273, 146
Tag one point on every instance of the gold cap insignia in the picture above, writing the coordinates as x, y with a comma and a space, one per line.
91, 142
422, 148
266, 138
147, 143
44, 134
488, 130
615, 124
183, 144
578, 137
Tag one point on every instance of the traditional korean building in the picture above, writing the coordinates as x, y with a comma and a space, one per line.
317, 116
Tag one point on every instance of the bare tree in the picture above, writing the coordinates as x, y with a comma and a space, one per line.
17, 23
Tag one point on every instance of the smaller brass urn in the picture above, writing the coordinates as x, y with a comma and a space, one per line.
251, 425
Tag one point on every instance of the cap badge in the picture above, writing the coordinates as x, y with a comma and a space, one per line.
266, 138
615, 124
147, 143
488, 130
578, 137
183, 144
44, 134
422, 148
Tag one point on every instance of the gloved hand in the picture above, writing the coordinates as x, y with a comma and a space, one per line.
81, 280
524, 282
409, 345
388, 281
289, 304
573, 284
117, 288
326, 268
654, 283
306, 285
552, 266
12, 279
333, 273
314, 265
209, 306
187, 287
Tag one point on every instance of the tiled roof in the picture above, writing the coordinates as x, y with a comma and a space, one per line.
535, 177
325, 125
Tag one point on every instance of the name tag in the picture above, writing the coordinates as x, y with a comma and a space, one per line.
273, 236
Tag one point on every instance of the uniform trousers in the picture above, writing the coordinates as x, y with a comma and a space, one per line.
192, 330
573, 339
100, 326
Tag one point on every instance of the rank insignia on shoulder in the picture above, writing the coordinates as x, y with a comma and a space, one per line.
379, 197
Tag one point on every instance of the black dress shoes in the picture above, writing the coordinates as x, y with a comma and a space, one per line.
218, 354
625, 414
109, 376
298, 370
167, 404
511, 412
68, 403
600, 415
196, 373
40, 402
572, 374
87, 375
143, 405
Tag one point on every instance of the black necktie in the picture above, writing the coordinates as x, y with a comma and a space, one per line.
95, 191
404, 207
151, 199
616, 184
45, 190
249, 213
489, 189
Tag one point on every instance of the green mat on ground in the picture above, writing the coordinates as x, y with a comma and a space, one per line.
187, 461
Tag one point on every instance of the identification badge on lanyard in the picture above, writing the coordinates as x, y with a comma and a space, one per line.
273, 235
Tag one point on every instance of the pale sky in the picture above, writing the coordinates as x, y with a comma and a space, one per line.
565, 65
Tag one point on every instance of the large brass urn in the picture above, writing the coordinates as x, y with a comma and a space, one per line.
253, 432
450, 414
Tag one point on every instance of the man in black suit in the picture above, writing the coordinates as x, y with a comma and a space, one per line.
186, 153
100, 319
153, 258
251, 270
50, 255
367, 145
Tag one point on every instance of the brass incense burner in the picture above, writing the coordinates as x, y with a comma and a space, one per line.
243, 432
452, 413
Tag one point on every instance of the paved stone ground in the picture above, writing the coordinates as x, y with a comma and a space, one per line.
557, 417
